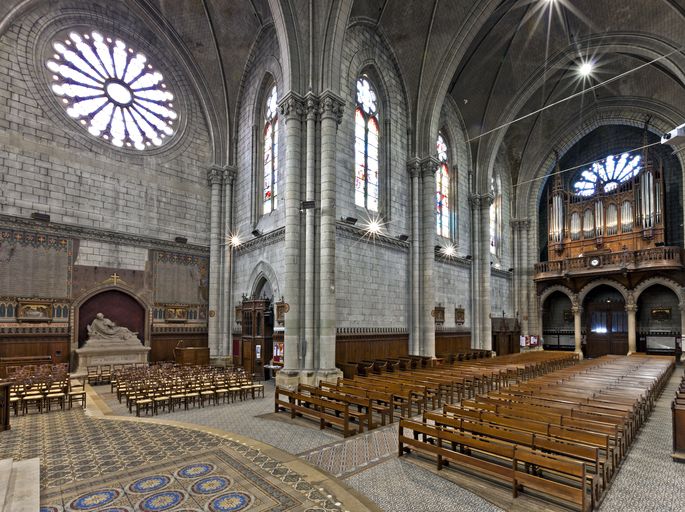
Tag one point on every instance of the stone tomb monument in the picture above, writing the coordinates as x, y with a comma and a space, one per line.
109, 343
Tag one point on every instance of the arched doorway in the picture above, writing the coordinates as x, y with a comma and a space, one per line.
606, 322
118, 306
658, 320
557, 322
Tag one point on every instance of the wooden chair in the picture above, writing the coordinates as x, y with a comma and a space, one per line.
77, 391
105, 373
56, 393
93, 375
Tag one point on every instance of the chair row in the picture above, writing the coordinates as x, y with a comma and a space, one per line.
44, 395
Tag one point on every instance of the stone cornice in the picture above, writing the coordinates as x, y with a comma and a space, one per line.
456, 261
361, 235
272, 237
331, 106
291, 106
501, 273
100, 235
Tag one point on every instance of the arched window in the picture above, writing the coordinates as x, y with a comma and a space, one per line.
270, 189
442, 187
366, 146
495, 215
607, 175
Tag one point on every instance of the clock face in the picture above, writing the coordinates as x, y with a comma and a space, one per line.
594, 262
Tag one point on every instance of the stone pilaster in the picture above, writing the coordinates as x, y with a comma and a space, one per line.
309, 349
331, 111
226, 337
523, 275
414, 168
292, 109
428, 237
215, 177
474, 206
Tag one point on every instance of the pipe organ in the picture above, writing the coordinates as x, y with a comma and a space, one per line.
614, 205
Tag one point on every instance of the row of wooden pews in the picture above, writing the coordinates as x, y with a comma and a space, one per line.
561, 435
377, 399
678, 415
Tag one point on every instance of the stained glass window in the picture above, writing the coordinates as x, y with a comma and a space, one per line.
442, 194
112, 90
607, 175
270, 151
366, 146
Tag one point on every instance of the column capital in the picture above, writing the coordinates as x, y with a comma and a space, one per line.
291, 106
481, 201
577, 310
520, 224
414, 167
631, 307
311, 106
215, 175
331, 106
230, 173
429, 165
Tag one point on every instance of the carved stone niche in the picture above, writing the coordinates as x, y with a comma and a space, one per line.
35, 310
282, 308
439, 314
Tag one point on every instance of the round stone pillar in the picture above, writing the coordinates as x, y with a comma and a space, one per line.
215, 177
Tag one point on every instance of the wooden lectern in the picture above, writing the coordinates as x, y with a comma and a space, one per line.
191, 355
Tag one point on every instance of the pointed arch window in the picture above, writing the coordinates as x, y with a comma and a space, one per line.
366, 147
442, 194
270, 187
495, 215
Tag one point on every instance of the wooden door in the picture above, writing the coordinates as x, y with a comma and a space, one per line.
247, 356
607, 328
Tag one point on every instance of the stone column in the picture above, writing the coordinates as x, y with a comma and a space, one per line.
215, 177
474, 203
681, 306
331, 110
312, 109
428, 168
525, 279
485, 292
292, 109
227, 303
631, 310
577, 314
415, 282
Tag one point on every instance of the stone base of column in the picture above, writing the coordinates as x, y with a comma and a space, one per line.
329, 375
223, 361
580, 355
288, 379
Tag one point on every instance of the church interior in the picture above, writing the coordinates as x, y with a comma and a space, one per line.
342, 255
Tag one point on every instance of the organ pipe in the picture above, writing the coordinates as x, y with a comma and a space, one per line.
612, 220
647, 199
575, 226
599, 218
626, 217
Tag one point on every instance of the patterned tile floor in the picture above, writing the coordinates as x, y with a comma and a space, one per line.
78, 453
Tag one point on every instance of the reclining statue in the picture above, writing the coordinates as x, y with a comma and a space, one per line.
103, 329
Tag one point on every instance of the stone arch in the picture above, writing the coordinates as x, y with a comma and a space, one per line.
82, 299
264, 271
627, 294
558, 288
668, 283
289, 37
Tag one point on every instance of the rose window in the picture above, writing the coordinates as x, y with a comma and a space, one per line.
112, 90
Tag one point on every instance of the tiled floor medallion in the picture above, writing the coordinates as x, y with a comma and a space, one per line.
195, 470
164, 500
231, 502
210, 485
95, 500
149, 484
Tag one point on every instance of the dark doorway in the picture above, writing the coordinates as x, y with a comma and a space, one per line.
606, 322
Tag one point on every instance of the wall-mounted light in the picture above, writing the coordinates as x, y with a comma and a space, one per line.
256, 233
349, 220
307, 205
403, 238
181, 240
467, 257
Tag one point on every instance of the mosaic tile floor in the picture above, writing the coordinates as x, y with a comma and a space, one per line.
231, 478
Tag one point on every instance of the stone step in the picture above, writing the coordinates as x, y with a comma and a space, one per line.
5, 472
24, 487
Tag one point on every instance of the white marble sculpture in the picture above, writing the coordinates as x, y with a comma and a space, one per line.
103, 330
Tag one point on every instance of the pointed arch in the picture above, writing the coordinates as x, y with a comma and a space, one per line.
627, 294
668, 283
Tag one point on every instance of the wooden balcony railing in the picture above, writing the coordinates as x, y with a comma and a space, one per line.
657, 257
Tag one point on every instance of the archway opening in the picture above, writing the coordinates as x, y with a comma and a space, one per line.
658, 320
605, 322
121, 308
557, 322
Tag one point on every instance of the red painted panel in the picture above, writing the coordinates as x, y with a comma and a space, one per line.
119, 307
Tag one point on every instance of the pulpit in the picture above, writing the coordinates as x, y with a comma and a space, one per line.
192, 355
257, 338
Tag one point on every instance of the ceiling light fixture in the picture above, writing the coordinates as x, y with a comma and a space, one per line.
585, 69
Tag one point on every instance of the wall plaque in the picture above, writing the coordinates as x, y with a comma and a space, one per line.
34, 311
